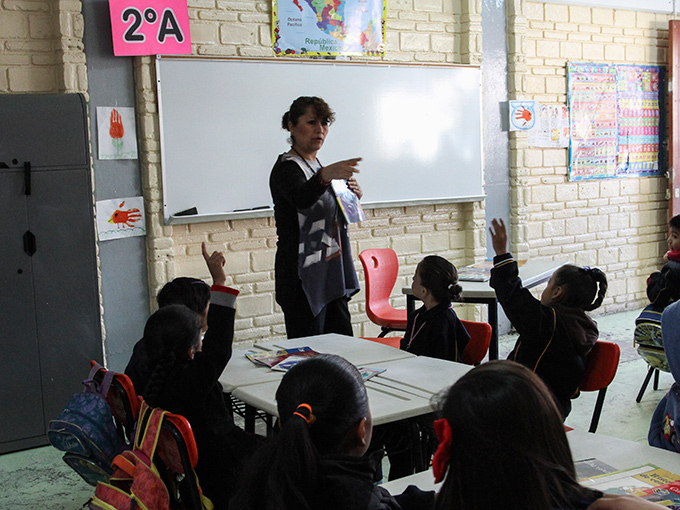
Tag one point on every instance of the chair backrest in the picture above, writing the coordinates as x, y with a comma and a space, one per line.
123, 402
179, 456
381, 267
603, 361
478, 346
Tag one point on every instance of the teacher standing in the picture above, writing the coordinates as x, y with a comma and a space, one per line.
315, 275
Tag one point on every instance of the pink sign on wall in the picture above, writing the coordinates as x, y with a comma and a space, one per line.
150, 27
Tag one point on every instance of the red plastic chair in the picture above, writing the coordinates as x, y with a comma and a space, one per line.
392, 341
381, 267
123, 402
478, 346
603, 361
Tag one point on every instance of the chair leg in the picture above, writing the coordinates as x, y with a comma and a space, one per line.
598, 409
383, 331
656, 379
644, 384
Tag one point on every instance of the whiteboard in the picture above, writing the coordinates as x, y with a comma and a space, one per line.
417, 128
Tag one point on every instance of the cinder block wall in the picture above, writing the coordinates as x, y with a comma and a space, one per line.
618, 225
418, 31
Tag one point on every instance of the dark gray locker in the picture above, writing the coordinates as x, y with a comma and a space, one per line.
49, 300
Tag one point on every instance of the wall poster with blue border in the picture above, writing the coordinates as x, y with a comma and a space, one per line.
328, 27
615, 119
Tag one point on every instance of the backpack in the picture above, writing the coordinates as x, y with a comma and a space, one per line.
136, 482
85, 430
648, 339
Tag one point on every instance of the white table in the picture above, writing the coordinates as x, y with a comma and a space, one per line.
240, 371
618, 453
532, 273
404, 390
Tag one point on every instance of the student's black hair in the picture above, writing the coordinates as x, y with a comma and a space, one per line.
675, 222
584, 287
299, 107
440, 277
172, 331
506, 427
190, 292
284, 474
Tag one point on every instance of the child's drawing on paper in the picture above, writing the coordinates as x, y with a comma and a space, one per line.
116, 132
120, 217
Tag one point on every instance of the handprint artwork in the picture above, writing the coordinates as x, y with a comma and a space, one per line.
120, 217
125, 218
522, 115
116, 132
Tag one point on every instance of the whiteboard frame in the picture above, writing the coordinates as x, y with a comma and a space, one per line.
171, 219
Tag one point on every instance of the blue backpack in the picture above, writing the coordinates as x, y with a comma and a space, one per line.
86, 431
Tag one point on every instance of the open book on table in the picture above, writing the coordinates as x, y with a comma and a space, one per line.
649, 482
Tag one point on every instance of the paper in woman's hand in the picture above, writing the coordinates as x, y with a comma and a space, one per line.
348, 201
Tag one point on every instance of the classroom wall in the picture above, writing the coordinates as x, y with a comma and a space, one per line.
618, 225
418, 31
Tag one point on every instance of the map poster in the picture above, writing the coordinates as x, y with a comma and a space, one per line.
328, 27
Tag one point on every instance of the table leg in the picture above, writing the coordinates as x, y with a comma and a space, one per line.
492, 307
250, 419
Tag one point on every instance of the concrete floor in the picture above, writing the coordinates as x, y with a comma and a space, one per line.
38, 478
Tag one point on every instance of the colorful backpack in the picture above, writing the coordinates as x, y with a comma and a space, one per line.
136, 482
86, 431
648, 339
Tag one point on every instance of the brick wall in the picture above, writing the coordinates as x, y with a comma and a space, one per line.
618, 225
418, 31
41, 48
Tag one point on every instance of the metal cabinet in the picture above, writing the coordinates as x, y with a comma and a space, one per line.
49, 299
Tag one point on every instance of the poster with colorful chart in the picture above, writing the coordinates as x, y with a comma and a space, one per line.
120, 217
116, 133
615, 120
328, 27
637, 93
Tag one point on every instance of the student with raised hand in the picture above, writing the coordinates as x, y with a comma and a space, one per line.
503, 445
434, 329
214, 306
184, 369
317, 460
555, 334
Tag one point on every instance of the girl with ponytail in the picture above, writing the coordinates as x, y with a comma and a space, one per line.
555, 333
434, 329
317, 459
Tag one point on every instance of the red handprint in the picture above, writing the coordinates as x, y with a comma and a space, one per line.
523, 114
125, 218
116, 130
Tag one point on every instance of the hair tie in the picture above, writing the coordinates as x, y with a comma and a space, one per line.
440, 460
311, 419
450, 285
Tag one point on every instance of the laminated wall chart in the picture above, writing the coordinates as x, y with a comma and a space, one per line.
615, 121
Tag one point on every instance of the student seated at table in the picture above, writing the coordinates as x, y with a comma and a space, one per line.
434, 329
555, 334
184, 381
214, 306
503, 445
317, 460
664, 430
